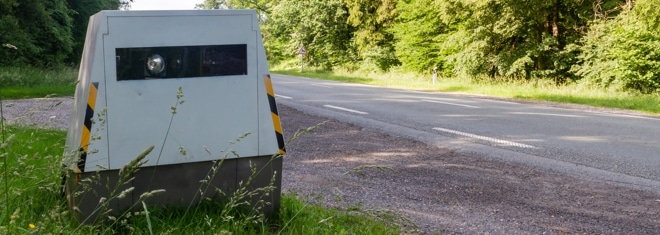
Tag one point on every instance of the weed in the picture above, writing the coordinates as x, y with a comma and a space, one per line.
31, 161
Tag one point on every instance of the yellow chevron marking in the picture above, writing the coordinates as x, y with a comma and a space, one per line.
84, 139
91, 99
273, 112
86, 132
276, 122
269, 85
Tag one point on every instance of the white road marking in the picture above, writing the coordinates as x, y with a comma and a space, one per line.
489, 139
628, 116
283, 97
436, 98
324, 86
499, 101
461, 105
345, 109
548, 114
395, 100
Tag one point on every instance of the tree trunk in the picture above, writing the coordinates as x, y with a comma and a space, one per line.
556, 28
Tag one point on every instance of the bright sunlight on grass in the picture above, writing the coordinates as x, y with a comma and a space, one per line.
535, 89
26, 82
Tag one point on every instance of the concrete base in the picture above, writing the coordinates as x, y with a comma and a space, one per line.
181, 183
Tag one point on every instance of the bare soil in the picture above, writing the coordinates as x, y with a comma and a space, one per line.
425, 189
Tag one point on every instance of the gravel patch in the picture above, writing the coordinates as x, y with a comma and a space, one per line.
42, 112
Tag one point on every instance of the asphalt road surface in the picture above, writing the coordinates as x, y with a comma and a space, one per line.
609, 145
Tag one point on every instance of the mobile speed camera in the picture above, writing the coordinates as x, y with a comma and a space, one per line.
137, 67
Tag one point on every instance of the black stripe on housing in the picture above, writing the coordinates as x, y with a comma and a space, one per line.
280, 141
273, 105
82, 160
89, 114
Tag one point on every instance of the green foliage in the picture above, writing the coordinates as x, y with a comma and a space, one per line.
46, 33
212, 4
518, 39
624, 53
318, 24
373, 42
558, 40
262, 6
40, 30
81, 11
420, 33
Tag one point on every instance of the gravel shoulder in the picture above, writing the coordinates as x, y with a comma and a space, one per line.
442, 191
41, 112
438, 190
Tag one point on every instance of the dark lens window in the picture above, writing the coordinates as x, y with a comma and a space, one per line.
181, 62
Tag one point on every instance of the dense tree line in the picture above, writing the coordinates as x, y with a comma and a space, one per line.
609, 43
45, 33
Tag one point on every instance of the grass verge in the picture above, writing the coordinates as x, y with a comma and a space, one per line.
32, 203
535, 89
28, 82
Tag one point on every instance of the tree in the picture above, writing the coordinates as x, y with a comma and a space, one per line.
623, 53
525, 39
318, 24
81, 11
40, 30
263, 7
420, 34
47, 32
373, 40
213, 4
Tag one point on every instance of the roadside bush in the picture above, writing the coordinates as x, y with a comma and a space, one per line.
623, 53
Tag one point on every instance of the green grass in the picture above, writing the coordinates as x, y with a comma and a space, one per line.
296, 217
535, 89
30, 173
31, 202
28, 82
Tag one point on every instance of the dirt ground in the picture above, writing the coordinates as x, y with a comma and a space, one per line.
435, 190
430, 190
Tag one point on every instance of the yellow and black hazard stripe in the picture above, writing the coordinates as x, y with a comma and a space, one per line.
87, 127
274, 114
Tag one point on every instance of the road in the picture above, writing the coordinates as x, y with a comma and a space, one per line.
591, 144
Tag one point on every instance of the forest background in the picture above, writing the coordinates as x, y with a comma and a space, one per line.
611, 44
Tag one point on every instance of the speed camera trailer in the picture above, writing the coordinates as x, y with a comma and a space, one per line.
137, 67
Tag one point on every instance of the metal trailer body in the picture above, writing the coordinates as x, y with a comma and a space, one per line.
132, 67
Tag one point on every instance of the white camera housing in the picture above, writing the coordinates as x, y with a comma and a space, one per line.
132, 67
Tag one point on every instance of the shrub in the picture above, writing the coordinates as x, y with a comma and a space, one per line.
623, 53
